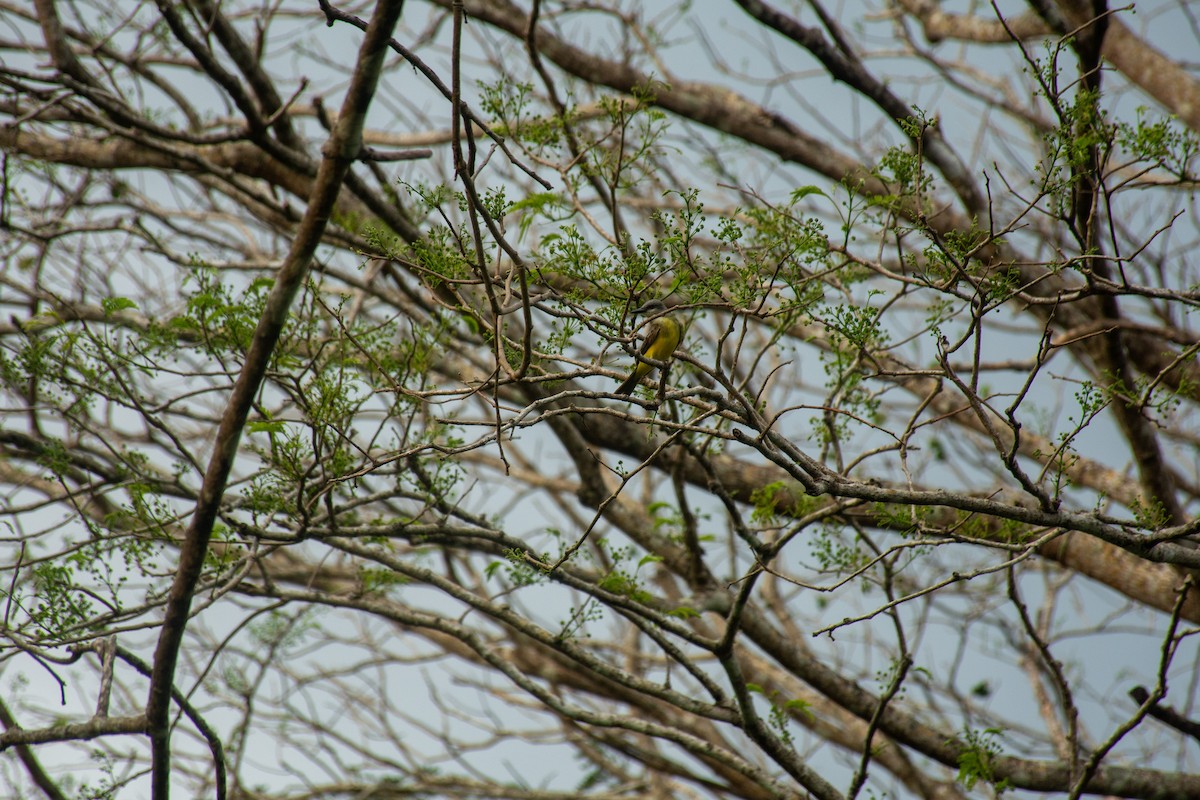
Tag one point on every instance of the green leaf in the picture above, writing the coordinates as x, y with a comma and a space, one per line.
112, 305
805, 191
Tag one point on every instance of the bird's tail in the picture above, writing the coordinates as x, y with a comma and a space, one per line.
631, 382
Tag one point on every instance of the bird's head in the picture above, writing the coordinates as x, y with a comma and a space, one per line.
652, 308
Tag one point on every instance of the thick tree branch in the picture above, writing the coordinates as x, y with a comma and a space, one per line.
339, 152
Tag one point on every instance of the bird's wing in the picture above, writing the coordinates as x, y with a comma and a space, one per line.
651, 336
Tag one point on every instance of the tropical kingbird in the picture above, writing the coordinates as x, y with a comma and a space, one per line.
661, 340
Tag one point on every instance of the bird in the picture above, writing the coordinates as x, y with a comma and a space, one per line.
661, 340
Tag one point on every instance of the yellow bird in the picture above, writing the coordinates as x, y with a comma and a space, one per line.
661, 340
